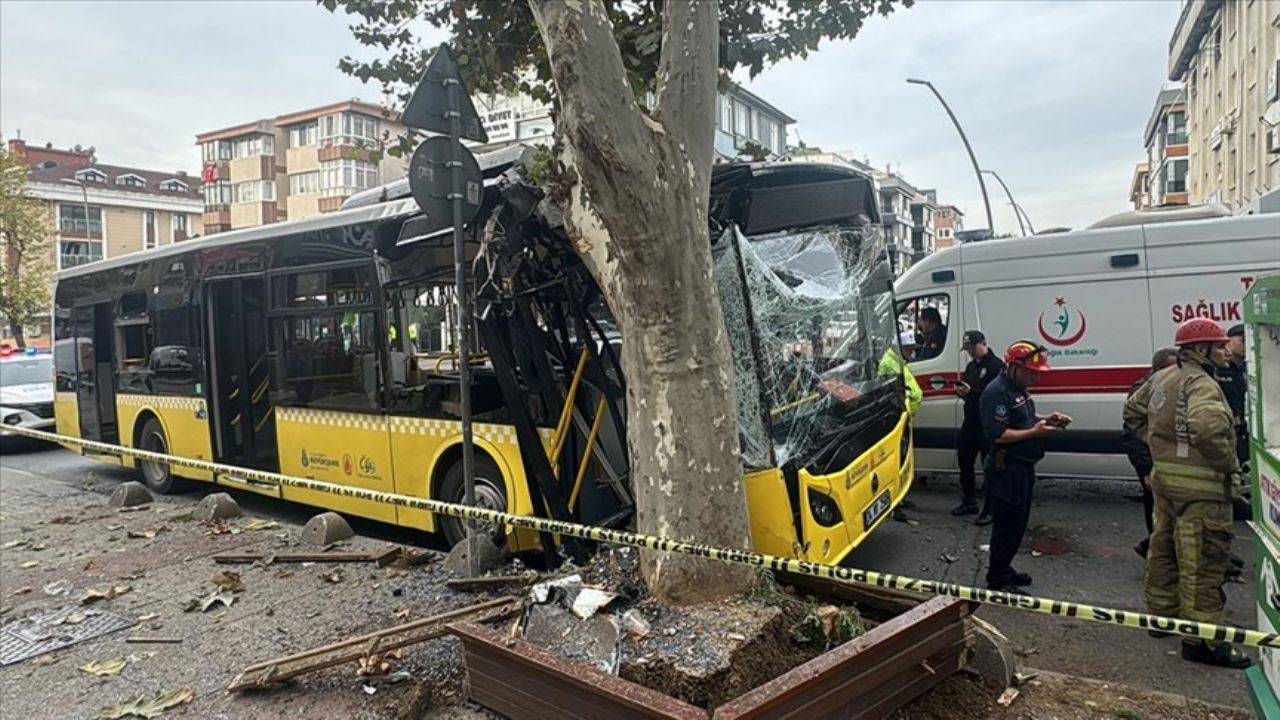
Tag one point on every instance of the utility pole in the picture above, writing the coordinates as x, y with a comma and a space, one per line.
968, 148
1017, 209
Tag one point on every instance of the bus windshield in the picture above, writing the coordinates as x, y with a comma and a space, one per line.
810, 319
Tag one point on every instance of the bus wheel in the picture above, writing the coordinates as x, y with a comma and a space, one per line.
491, 494
157, 475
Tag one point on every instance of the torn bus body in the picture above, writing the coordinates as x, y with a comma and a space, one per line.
801, 270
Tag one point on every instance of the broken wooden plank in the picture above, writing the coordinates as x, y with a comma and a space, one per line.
381, 558
270, 672
490, 582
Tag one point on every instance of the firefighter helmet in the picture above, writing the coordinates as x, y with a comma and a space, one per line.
1199, 330
1027, 354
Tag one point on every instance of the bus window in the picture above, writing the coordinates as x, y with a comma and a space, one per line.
325, 336
133, 338
923, 324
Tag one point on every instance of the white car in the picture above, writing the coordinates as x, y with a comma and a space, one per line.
26, 392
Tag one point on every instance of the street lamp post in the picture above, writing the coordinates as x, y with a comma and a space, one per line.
976, 171
1017, 209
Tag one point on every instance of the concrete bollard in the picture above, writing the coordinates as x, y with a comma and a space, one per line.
218, 506
326, 529
129, 494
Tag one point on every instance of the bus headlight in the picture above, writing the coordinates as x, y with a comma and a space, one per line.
824, 510
904, 447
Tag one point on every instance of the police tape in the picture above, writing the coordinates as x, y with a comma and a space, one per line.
846, 575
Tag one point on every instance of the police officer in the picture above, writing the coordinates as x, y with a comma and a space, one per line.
1191, 431
931, 334
1014, 433
983, 367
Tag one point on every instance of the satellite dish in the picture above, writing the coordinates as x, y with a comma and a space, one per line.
431, 181
429, 103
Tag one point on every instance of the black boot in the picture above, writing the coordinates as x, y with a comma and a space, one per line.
1142, 546
1020, 578
984, 518
1222, 656
968, 506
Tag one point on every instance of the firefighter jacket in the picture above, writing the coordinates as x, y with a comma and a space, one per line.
1189, 427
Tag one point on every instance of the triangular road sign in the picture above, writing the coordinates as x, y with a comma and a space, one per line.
430, 100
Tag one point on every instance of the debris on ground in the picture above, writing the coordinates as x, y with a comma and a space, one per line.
149, 707
93, 595
105, 668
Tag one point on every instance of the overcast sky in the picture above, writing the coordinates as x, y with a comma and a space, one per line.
1053, 95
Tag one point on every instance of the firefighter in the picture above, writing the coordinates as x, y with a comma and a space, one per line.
1191, 432
983, 367
1015, 434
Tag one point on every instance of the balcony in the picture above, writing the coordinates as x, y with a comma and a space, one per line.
1197, 15
216, 215
79, 229
344, 152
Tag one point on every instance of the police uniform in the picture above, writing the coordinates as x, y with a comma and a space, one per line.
1010, 471
970, 442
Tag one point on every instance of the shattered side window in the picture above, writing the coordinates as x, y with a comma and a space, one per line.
810, 319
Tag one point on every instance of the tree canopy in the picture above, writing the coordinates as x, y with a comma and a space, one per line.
25, 237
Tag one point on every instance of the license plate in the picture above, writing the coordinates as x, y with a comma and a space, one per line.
878, 507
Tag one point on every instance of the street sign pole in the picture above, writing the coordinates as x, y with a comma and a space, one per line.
464, 314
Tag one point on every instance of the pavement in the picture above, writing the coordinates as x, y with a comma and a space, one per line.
53, 513
1078, 548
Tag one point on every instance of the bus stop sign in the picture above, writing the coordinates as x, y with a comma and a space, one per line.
431, 182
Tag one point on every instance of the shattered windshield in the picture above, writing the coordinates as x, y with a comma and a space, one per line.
810, 319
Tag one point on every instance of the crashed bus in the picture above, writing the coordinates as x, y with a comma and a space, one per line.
324, 348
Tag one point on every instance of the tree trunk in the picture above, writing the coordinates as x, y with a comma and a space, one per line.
637, 212
18, 338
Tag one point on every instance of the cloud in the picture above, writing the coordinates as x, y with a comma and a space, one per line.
1053, 95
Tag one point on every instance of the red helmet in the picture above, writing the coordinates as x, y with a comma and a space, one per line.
1199, 330
1027, 354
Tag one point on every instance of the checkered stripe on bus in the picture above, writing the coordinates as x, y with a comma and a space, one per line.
168, 402
329, 418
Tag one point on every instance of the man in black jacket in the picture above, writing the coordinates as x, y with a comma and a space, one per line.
983, 367
1136, 447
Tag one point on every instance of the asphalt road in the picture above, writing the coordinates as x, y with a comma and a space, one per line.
1082, 533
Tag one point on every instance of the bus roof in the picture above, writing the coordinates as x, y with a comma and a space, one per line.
368, 213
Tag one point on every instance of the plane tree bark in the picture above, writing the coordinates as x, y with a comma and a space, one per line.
636, 188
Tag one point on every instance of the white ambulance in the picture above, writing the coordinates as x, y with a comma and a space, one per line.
1101, 301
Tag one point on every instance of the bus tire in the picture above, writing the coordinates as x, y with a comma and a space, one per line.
491, 493
157, 476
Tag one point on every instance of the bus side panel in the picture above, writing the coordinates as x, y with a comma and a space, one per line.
66, 413
342, 448
772, 530
185, 421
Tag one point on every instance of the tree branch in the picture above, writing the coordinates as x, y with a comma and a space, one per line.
687, 67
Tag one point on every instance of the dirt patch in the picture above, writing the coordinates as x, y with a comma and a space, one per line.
1061, 697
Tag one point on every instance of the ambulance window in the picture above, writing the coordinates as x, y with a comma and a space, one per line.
922, 326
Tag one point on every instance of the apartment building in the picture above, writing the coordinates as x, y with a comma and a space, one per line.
296, 165
1162, 180
948, 221
1227, 57
924, 215
742, 118
99, 211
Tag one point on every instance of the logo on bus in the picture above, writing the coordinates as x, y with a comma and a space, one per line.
347, 465
306, 461
1061, 330
367, 466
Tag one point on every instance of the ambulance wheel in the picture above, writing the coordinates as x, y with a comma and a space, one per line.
491, 494
157, 476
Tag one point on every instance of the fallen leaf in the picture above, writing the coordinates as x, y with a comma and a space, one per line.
1008, 696
260, 524
145, 534
57, 587
218, 528
36, 547
111, 593
284, 574
13, 544
105, 668
229, 581
44, 660
74, 618
377, 663
21, 591
148, 616
333, 576
29, 564
402, 613
145, 707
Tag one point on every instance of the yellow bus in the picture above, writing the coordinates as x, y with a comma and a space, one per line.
323, 348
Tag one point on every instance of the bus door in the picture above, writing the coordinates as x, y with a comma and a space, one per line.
95, 372
239, 375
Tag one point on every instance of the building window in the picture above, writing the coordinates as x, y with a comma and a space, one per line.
179, 227
303, 135
131, 180
216, 194
339, 178
149, 239
174, 186
763, 134
1176, 128
254, 191
303, 183
91, 175
1175, 176
724, 113
741, 119
349, 129
76, 219
216, 150
253, 146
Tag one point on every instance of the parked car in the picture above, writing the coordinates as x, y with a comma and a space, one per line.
26, 392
